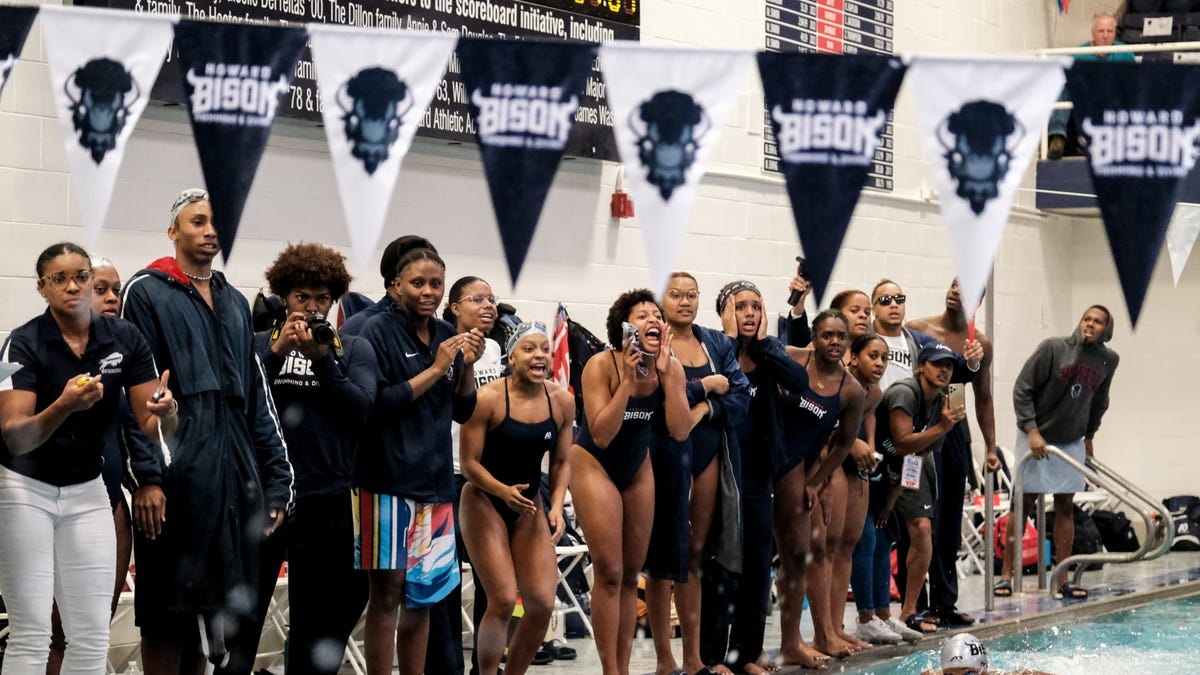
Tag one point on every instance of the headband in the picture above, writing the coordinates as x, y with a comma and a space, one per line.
523, 330
188, 196
731, 289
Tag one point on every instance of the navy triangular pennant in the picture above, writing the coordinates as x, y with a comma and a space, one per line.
523, 98
234, 77
1141, 125
14, 28
828, 113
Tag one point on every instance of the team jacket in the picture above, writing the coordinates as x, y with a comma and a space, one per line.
406, 449
227, 464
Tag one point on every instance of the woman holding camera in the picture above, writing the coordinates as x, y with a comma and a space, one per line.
632, 398
517, 420
55, 517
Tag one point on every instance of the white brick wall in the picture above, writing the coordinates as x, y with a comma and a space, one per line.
1047, 270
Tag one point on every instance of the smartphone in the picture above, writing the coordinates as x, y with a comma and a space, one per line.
629, 335
958, 396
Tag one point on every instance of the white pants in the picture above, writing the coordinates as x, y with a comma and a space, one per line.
55, 543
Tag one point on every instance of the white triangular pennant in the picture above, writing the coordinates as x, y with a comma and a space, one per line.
981, 121
103, 64
376, 85
1181, 236
669, 107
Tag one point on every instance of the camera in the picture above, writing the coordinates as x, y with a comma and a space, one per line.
322, 332
794, 297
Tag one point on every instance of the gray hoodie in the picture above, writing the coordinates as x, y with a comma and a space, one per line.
1063, 387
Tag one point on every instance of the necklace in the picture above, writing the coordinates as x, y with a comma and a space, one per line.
195, 277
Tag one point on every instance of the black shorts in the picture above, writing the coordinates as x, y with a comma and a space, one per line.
921, 502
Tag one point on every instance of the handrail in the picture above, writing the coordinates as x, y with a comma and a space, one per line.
1160, 527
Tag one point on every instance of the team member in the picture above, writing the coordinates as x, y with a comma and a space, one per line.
55, 413
871, 571
911, 421
793, 327
106, 299
405, 484
718, 395
205, 505
470, 305
1060, 397
827, 410
954, 463
632, 398
387, 270
323, 386
848, 490
517, 420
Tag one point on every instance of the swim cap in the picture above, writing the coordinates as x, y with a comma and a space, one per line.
524, 330
964, 651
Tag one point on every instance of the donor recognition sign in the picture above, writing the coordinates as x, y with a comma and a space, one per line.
831, 27
448, 116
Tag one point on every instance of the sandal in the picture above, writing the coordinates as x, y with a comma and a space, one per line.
915, 622
953, 617
1070, 591
1003, 588
559, 650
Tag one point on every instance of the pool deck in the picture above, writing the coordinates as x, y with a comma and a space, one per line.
1111, 589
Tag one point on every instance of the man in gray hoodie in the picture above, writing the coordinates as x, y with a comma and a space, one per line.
1059, 398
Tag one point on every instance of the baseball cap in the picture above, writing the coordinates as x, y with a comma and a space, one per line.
964, 651
934, 351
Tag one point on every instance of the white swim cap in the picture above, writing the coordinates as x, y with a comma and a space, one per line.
964, 651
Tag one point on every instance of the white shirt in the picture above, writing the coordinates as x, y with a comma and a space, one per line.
489, 367
900, 361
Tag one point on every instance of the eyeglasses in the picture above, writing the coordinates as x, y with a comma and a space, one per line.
885, 300
677, 295
60, 279
480, 298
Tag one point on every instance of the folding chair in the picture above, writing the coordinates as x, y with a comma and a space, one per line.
575, 555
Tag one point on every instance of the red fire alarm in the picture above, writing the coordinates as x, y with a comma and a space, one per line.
621, 206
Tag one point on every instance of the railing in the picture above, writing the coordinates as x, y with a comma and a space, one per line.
1103, 51
1160, 528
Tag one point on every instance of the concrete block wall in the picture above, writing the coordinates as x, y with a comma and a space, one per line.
742, 226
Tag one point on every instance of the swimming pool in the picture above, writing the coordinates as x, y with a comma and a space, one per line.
1161, 637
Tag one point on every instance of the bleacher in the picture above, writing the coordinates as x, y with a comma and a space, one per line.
1151, 27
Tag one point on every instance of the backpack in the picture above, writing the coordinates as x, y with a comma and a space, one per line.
1116, 531
582, 345
506, 322
1185, 509
1087, 535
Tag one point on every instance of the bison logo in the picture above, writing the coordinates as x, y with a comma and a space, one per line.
101, 93
669, 126
373, 103
979, 141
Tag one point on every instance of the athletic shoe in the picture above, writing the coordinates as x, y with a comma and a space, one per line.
903, 631
877, 632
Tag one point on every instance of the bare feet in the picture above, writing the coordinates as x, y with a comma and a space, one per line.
805, 657
720, 669
763, 667
835, 647
858, 645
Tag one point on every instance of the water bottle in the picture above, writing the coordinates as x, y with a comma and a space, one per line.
133, 668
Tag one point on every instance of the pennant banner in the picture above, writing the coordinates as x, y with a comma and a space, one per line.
828, 113
523, 97
376, 86
234, 76
1181, 236
102, 64
669, 106
14, 28
981, 122
1140, 122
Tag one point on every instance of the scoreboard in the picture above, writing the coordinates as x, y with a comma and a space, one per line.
832, 27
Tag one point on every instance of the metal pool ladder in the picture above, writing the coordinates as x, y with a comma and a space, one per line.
1160, 528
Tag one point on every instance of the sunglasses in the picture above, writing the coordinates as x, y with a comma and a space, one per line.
885, 300
60, 279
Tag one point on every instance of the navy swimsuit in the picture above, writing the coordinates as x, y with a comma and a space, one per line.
706, 436
809, 419
628, 449
512, 453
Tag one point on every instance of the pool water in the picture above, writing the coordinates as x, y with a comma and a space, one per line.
1162, 637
